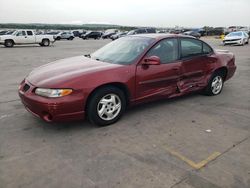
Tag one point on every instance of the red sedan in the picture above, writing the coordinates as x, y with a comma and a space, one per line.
125, 72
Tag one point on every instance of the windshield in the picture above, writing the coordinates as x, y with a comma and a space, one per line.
235, 34
14, 32
122, 51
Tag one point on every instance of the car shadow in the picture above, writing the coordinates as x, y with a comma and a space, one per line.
30, 46
161, 102
85, 125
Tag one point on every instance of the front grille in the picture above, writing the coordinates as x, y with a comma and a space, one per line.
231, 40
26, 87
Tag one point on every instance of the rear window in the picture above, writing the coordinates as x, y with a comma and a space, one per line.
29, 33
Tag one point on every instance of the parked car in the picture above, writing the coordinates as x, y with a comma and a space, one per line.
25, 37
65, 35
3, 32
127, 71
142, 31
6, 32
239, 37
118, 35
91, 35
107, 35
192, 33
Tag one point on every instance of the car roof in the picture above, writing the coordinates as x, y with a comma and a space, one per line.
159, 36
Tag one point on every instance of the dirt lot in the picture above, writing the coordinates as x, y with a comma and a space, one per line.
160, 144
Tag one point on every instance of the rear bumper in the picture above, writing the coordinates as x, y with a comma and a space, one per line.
52, 109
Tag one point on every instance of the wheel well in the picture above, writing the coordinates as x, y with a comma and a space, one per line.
10, 40
223, 71
121, 86
45, 39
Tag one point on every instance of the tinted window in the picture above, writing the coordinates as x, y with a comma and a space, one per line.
166, 50
141, 31
29, 33
151, 30
206, 49
190, 47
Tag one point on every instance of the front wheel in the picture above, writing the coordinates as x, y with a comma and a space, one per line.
106, 106
9, 43
215, 85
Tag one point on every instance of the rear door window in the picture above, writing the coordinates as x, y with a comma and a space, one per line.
190, 47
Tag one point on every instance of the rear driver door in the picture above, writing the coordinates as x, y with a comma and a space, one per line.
196, 57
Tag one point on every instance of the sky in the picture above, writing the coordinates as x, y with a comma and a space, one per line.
158, 13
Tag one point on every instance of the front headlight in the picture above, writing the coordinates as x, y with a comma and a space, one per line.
53, 93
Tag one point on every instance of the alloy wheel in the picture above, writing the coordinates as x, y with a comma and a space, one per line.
109, 107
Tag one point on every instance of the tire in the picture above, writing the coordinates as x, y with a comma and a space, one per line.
71, 38
215, 84
106, 106
45, 42
41, 44
58, 38
9, 43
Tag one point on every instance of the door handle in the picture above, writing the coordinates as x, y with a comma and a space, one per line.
176, 68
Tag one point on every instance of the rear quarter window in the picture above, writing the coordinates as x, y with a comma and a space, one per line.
207, 49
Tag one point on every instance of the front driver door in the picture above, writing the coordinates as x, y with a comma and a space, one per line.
21, 37
155, 81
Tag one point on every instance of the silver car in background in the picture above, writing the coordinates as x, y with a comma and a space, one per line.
65, 35
238, 38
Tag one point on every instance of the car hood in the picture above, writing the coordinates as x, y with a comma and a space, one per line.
57, 73
232, 37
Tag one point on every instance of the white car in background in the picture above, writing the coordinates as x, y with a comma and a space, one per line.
20, 37
238, 37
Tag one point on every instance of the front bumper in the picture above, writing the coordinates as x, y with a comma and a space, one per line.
237, 42
65, 108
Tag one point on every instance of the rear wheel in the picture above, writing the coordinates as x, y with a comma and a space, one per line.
106, 106
45, 42
71, 38
9, 43
215, 85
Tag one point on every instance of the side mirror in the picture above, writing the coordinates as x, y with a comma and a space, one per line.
152, 60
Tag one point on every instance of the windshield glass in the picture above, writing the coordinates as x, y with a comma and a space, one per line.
235, 34
14, 33
122, 51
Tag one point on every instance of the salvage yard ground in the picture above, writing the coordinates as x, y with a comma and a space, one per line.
160, 144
